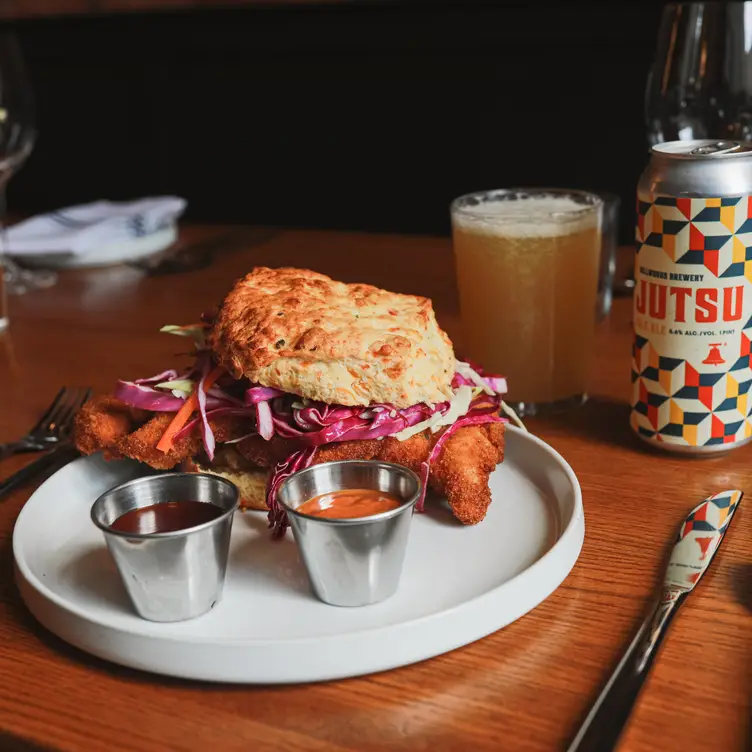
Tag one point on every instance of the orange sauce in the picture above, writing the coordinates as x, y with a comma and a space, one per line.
349, 503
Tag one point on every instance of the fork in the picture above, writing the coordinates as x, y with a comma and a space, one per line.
53, 427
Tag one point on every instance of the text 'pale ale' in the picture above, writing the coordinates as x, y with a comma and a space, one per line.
691, 374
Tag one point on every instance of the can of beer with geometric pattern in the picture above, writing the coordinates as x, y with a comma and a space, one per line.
691, 376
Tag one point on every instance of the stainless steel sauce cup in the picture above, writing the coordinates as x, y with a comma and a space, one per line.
358, 561
170, 576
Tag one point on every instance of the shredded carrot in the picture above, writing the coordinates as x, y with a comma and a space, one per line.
185, 412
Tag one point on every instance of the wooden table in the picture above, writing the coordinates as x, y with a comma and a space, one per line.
524, 688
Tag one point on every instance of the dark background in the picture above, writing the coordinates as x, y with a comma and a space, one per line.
368, 116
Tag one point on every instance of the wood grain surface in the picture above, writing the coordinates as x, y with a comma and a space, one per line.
524, 688
12, 9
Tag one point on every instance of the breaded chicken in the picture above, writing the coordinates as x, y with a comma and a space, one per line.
102, 422
109, 425
347, 450
460, 472
142, 444
265, 453
411, 453
463, 467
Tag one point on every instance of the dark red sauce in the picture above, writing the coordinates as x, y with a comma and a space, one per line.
168, 517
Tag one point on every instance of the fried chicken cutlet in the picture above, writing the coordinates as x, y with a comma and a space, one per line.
460, 472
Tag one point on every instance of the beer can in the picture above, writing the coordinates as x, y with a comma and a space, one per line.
692, 314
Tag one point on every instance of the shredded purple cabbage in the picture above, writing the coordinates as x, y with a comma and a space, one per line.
497, 383
257, 394
158, 401
169, 375
298, 460
272, 412
224, 396
146, 397
460, 380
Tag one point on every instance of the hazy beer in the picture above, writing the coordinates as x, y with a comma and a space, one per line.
691, 374
527, 270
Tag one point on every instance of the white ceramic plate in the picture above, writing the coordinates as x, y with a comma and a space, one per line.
459, 583
134, 249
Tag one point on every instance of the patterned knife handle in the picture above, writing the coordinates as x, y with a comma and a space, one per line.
607, 718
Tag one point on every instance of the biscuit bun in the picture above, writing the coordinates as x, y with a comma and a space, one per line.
251, 483
347, 344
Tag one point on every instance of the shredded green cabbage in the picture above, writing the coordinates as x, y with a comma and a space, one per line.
464, 369
181, 385
513, 415
196, 333
458, 406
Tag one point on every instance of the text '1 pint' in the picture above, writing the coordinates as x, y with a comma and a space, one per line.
691, 374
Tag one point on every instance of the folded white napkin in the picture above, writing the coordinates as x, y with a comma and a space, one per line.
80, 229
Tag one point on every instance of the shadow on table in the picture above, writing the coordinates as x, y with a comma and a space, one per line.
600, 419
9, 743
12, 601
741, 578
741, 582
182, 257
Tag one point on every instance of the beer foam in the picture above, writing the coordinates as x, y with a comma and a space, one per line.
542, 216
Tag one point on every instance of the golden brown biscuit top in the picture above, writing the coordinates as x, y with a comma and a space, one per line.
349, 344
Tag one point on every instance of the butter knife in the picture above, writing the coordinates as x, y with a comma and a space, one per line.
699, 538
48, 462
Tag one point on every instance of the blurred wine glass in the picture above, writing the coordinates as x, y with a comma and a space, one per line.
17, 137
700, 85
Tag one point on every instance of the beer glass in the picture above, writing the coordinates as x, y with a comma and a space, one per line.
609, 246
699, 85
17, 137
527, 265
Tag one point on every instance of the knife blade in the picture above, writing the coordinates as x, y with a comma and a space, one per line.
697, 542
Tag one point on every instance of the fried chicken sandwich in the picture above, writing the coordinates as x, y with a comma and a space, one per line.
296, 369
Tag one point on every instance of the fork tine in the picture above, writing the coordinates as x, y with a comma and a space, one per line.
65, 421
63, 407
84, 397
47, 415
